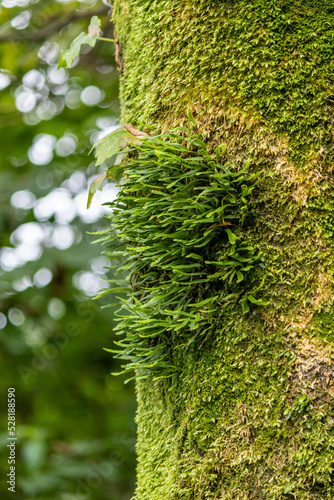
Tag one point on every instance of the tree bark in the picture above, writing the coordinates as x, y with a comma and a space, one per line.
252, 415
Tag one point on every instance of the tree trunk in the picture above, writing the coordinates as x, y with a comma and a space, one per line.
252, 414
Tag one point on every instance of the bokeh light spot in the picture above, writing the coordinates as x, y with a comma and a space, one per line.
25, 101
42, 277
34, 79
49, 52
66, 145
91, 95
41, 152
4, 81
21, 21
3, 321
62, 237
23, 199
56, 308
16, 316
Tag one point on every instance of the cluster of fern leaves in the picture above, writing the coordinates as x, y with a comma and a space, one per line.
175, 212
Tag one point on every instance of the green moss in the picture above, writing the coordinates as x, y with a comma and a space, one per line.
272, 59
324, 325
234, 430
252, 415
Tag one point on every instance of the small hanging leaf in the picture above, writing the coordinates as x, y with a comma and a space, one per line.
97, 185
68, 55
110, 145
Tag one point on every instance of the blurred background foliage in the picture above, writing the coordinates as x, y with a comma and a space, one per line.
75, 421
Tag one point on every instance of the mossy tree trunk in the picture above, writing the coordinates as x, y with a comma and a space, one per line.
252, 415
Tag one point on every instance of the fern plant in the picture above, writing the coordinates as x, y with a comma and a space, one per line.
175, 212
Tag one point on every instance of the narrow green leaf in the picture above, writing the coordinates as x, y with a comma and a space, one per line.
256, 301
191, 120
240, 276
232, 238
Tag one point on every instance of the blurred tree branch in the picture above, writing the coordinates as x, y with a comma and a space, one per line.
52, 26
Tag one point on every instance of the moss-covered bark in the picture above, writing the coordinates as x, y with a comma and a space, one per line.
252, 415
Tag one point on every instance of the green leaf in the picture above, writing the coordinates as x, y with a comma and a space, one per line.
191, 120
256, 301
112, 290
230, 296
67, 56
240, 276
113, 143
220, 151
110, 145
232, 238
245, 306
97, 185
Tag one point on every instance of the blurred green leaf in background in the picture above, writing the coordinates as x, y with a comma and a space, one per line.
75, 430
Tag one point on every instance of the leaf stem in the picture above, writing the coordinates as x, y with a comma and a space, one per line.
107, 39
